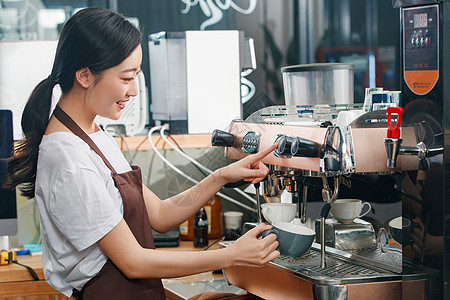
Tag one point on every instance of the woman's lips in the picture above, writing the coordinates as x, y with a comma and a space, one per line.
121, 104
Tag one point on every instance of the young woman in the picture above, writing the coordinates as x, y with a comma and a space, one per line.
96, 214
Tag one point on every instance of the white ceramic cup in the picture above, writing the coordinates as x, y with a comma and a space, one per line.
346, 210
279, 212
233, 219
345, 117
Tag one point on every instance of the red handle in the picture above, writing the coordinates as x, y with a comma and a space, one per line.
394, 131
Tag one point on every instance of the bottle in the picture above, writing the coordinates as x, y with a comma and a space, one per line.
200, 228
187, 230
213, 210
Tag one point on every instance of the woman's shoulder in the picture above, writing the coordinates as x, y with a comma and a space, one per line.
62, 140
65, 150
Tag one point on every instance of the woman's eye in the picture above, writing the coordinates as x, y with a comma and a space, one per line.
129, 79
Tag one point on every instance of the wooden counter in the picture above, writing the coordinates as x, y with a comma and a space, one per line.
16, 283
140, 142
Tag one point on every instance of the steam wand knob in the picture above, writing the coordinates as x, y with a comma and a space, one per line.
304, 148
222, 138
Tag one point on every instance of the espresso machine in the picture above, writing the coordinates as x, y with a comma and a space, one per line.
347, 261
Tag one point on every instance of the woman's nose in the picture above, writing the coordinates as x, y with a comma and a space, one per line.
133, 88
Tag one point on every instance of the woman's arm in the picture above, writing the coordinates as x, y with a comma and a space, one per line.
164, 215
136, 262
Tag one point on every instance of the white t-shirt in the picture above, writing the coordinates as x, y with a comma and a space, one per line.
78, 204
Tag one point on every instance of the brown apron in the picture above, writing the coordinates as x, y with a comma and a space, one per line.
110, 282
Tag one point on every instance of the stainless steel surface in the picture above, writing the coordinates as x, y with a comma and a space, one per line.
337, 151
258, 203
334, 292
352, 236
279, 179
391, 260
300, 115
184, 290
283, 171
420, 150
305, 197
322, 83
273, 186
323, 262
326, 191
344, 267
327, 196
392, 148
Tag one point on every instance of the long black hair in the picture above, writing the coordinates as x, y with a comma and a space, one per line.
96, 38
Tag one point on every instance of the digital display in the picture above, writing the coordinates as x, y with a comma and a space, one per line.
420, 20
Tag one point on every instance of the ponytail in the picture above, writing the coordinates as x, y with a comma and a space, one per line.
35, 117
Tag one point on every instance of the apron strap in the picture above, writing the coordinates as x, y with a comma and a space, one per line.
70, 123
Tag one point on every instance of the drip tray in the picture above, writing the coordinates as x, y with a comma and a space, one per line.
341, 268
337, 271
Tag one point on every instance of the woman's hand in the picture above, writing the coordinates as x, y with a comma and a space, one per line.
252, 250
250, 169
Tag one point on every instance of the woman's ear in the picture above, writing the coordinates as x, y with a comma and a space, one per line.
84, 77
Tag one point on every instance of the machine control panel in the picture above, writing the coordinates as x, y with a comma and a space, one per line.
250, 142
420, 47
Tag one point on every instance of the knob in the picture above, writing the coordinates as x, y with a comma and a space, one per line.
250, 142
304, 148
222, 138
422, 41
284, 145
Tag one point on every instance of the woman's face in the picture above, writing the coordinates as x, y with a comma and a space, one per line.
116, 86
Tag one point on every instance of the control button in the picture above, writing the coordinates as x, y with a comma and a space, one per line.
427, 41
284, 145
250, 142
412, 41
422, 42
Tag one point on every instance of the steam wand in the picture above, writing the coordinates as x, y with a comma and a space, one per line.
258, 202
329, 199
323, 215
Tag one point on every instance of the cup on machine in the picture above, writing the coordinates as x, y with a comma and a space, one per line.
275, 212
346, 210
